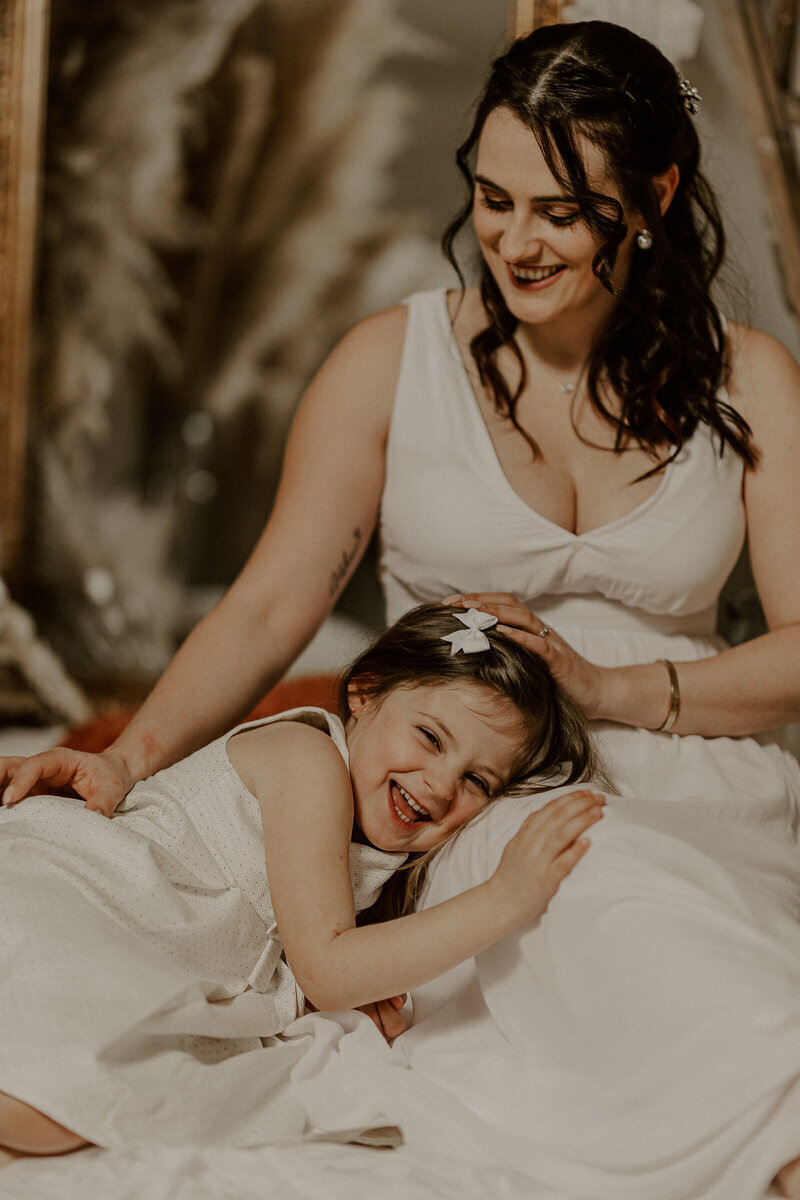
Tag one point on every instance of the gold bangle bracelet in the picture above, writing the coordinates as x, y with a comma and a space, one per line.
674, 698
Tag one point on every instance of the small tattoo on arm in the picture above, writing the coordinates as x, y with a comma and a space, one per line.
339, 573
150, 745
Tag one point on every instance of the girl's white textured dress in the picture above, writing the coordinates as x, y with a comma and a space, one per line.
141, 969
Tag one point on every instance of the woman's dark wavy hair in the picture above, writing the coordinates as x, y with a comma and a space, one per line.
664, 350
555, 741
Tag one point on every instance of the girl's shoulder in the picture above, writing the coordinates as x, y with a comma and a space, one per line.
291, 750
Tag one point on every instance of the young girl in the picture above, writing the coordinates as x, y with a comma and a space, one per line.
145, 960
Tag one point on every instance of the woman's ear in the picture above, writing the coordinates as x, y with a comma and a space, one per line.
665, 186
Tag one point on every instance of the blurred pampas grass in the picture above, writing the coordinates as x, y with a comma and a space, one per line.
217, 213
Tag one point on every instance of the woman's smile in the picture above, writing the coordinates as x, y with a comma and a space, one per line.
534, 279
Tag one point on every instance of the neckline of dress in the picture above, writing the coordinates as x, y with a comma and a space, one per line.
639, 510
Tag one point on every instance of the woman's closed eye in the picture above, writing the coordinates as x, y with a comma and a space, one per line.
495, 203
563, 218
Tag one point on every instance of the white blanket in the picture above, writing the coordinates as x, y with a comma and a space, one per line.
641, 1040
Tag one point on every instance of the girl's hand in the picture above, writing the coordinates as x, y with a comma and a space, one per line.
543, 852
100, 779
386, 1015
581, 680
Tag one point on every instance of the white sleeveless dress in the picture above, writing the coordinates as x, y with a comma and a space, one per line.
641, 588
141, 968
652, 1015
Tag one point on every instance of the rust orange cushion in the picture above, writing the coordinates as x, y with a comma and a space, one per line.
316, 690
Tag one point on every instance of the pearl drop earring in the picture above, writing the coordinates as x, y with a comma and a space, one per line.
644, 239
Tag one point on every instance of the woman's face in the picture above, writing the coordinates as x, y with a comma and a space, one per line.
531, 235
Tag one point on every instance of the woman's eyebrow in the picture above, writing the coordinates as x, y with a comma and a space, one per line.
561, 198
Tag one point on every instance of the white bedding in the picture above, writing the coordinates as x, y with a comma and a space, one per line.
641, 1041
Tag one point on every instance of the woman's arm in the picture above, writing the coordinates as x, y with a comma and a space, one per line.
754, 686
748, 688
306, 803
323, 517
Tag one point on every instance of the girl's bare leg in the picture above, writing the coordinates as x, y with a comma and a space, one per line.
25, 1131
789, 1180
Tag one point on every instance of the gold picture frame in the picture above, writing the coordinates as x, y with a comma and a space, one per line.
23, 57
525, 15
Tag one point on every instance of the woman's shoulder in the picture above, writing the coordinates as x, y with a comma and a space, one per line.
764, 375
378, 337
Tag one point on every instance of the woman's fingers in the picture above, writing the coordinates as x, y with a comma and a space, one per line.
476, 599
512, 615
26, 773
8, 769
584, 682
94, 778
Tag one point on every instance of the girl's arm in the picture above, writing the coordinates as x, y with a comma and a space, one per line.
748, 688
322, 520
307, 811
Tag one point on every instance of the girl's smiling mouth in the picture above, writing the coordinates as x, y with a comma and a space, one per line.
404, 807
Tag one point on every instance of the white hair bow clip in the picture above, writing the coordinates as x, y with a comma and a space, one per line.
472, 639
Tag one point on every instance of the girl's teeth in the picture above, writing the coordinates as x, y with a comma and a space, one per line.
411, 802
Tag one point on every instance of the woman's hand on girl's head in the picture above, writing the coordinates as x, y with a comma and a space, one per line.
543, 852
581, 680
101, 780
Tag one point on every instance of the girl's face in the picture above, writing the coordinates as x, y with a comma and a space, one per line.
424, 760
532, 236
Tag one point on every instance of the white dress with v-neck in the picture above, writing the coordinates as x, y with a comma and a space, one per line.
637, 589
652, 1016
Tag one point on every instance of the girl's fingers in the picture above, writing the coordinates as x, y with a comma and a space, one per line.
571, 830
573, 854
562, 821
563, 807
390, 1023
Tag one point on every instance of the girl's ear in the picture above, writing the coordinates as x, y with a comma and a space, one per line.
356, 699
666, 185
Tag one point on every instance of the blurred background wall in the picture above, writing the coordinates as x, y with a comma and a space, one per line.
227, 186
